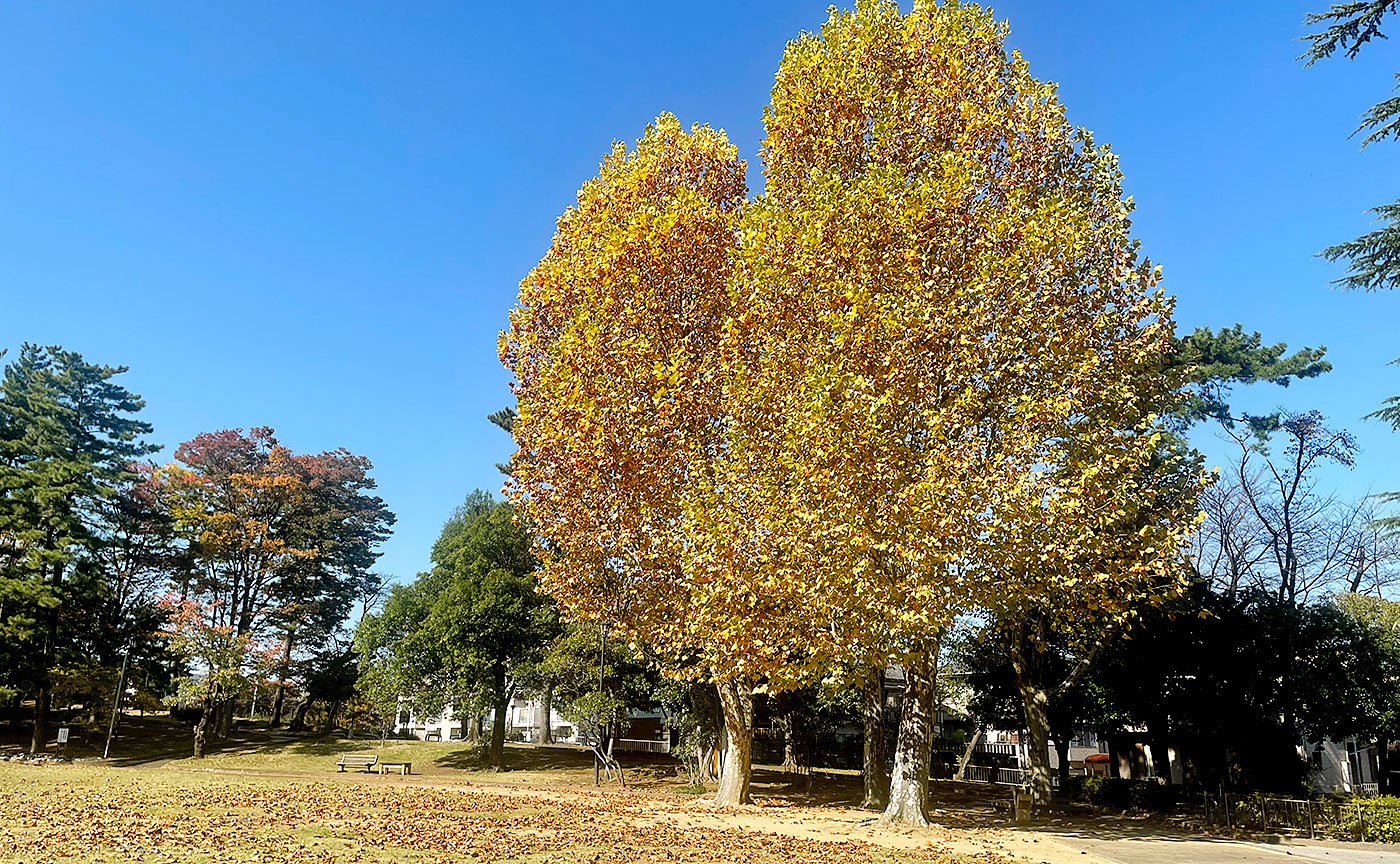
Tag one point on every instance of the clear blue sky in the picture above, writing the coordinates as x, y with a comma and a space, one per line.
314, 216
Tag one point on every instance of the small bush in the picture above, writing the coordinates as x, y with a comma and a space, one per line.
1073, 787
1116, 793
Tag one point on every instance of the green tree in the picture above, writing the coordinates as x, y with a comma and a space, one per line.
68, 438
490, 616
597, 681
996, 700
1381, 619
402, 664
463, 632
1374, 257
1214, 362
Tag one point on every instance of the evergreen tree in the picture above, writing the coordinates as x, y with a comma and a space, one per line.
68, 440
1375, 256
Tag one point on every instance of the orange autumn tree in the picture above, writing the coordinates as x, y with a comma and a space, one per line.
621, 423
946, 332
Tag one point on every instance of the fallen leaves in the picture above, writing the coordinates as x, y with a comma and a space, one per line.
91, 814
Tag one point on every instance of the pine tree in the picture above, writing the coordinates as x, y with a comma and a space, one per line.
68, 439
1375, 256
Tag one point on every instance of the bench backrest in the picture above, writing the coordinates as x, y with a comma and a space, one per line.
351, 759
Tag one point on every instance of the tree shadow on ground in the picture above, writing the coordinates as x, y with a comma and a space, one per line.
139, 740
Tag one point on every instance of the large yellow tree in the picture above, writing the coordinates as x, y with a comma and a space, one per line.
621, 392
914, 379
943, 333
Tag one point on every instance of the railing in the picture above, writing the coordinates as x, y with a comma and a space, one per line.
979, 774
642, 745
1011, 776
1288, 815
1003, 776
947, 746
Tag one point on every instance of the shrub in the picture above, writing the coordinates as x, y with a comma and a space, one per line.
1073, 787
1381, 817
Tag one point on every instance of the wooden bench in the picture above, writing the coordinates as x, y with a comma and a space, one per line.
404, 767
355, 760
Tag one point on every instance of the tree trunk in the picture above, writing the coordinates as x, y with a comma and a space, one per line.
1036, 702
1383, 766
1161, 758
908, 803
495, 757
42, 703
472, 727
786, 725
43, 700
298, 723
1062, 753
225, 715
961, 772
201, 729
874, 776
280, 694
328, 724
737, 772
547, 727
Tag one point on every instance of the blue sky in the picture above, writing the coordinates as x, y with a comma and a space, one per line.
314, 216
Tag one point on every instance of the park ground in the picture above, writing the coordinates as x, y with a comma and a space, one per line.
263, 799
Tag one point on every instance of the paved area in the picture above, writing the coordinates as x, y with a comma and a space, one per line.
1166, 848
1343, 853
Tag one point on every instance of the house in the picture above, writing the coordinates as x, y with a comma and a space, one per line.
1349, 765
524, 723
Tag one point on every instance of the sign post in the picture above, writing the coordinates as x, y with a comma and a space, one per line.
62, 738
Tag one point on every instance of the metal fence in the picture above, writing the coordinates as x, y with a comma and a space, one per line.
642, 745
1003, 776
1288, 815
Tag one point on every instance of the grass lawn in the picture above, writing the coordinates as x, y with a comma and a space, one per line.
87, 813
524, 765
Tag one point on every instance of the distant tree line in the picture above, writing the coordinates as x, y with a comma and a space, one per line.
231, 569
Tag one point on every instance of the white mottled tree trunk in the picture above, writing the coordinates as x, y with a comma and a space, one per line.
737, 701
908, 804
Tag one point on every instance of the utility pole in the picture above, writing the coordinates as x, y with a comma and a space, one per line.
597, 750
117, 701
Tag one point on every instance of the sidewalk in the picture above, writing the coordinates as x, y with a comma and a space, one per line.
1167, 847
